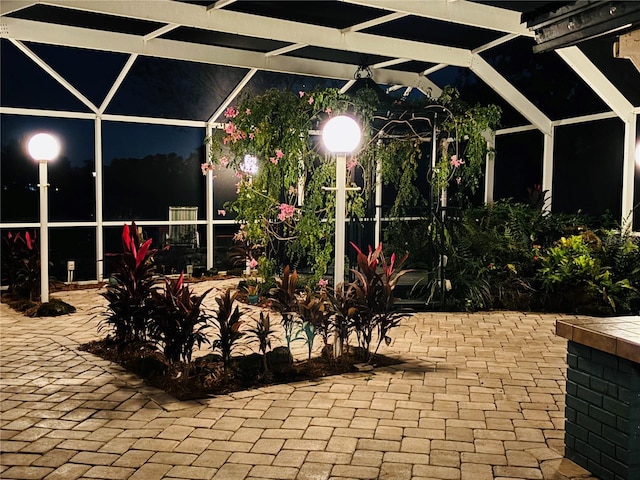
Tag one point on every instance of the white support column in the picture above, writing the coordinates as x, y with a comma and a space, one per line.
628, 173
44, 231
378, 205
209, 203
341, 186
547, 169
98, 185
489, 174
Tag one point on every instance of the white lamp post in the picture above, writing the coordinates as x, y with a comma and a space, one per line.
341, 135
43, 148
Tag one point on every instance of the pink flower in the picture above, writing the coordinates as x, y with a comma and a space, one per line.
351, 164
224, 161
322, 283
458, 180
231, 112
279, 153
273, 160
248, 111
310, 101
222, 213
253, 263
328, 110
205, 167
251, 136
301, 93
230, 128
238, 174
455, 162
286, 211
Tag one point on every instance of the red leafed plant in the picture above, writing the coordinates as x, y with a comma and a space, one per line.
177, 323
21, 264
372, 294
132, 281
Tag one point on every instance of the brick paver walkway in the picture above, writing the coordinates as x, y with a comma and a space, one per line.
479, 396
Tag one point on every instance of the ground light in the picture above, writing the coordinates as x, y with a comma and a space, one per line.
341, 135
44, 148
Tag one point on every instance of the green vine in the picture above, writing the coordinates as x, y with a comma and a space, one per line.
283, 207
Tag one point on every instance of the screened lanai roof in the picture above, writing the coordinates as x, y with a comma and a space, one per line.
413, 48
409, 45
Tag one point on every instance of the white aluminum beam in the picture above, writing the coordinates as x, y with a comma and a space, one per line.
495, 43
241, 84
519, 129
227, 21
26, 30
161, 31
374, 22
46, 113
220, 4
628, 174
10, 6
598, 82
584, 118
547, 169
55, 75
460, 11
116, 85
490, 166
512, 95
99, 197
287, 49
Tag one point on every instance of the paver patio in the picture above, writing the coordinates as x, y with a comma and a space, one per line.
478, 396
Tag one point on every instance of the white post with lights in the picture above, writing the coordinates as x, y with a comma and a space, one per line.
43, 148
341, 135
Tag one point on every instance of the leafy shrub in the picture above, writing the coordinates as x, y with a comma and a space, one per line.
127, 312
262, 333
176, 322
285, 301
227, 321
21, 264
574, 277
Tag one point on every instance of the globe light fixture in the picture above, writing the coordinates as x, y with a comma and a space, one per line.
341, 134
44, 147
249, 164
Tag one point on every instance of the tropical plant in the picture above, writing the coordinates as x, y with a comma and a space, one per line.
262, 332
285, 301
373, 289
127, 312
227, 322
315, 319
176, 322
344, 308
21, 264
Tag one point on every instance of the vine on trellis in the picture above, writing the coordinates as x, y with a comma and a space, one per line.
284, 210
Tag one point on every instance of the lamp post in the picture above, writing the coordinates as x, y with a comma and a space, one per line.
341, 135
43, 148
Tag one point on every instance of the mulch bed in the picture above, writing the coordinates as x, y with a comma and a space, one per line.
207, 376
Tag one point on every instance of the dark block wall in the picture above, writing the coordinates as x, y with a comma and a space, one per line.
602, 429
